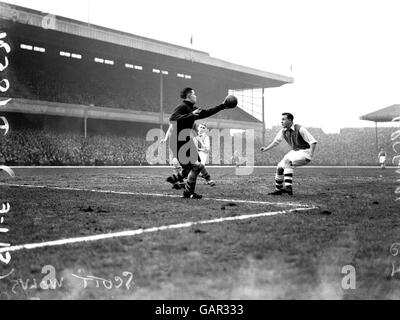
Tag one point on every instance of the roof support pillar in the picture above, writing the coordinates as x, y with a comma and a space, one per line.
263, 118
85, 117
376, 137
161, 102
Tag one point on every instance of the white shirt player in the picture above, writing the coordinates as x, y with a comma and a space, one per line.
382, 157
202, 142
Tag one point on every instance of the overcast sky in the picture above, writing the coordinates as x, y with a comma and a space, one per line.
345, 55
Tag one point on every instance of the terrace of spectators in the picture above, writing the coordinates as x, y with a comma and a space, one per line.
30, 146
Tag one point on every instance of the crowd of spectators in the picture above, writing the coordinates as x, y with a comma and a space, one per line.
36, 147
350, 147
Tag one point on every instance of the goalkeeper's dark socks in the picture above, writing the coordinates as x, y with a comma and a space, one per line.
173, 179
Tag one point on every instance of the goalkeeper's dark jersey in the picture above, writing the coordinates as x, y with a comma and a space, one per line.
183, 120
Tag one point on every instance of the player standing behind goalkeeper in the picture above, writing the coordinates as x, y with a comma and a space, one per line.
202, 141
303, 145
182, 144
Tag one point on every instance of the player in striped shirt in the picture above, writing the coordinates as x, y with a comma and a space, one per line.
303, 145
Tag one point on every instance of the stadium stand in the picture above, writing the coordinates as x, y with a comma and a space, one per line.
58, 79
95, 77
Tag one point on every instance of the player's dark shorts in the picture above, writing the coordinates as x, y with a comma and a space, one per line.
186, 160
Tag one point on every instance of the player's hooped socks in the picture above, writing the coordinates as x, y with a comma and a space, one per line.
288, 179
278, 182
279, 178
283, 176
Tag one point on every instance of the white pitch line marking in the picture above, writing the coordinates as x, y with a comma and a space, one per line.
130, 233
152, 194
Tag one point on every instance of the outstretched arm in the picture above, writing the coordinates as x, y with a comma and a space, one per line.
209, 112
278, 139
269, 147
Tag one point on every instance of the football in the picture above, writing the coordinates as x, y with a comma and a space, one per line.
231, 101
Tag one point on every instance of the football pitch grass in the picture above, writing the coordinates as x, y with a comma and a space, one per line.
123, 233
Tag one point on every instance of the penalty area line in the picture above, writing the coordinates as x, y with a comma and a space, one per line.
151, 194
130, 233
